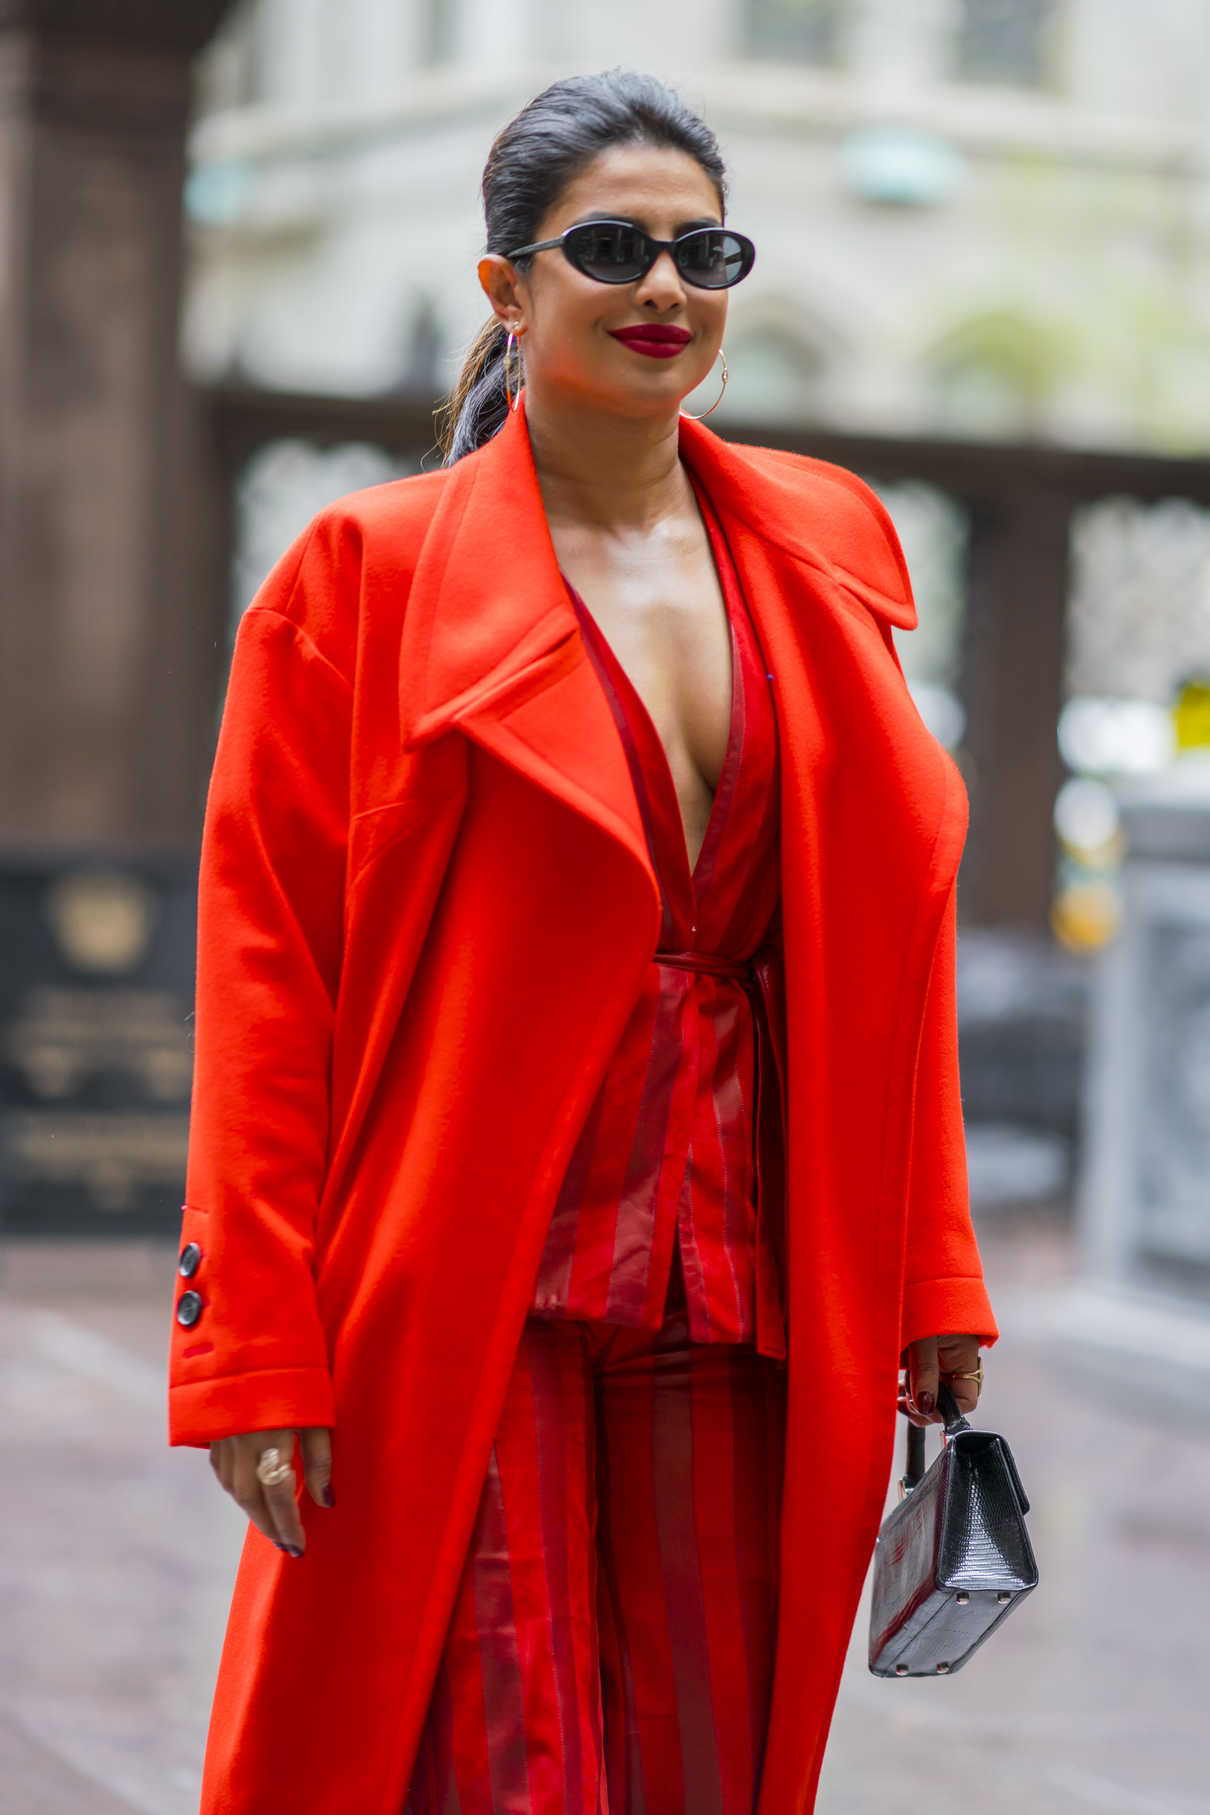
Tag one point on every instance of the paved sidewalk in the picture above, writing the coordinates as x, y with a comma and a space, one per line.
118, 1557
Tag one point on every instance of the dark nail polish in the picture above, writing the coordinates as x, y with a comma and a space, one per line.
292, 1550
327, 1494
926, 1404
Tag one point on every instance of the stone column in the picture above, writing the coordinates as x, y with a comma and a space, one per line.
99, 714
1012, 691
1142, 1194
107, 664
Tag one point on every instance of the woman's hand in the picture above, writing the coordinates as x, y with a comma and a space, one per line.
931, 1358
274, 1510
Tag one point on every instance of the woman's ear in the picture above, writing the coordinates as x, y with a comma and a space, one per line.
498, 278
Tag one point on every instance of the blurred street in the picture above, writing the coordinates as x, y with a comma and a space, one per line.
119, 1554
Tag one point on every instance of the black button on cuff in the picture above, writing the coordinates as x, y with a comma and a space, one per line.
187, 1266
189, 1308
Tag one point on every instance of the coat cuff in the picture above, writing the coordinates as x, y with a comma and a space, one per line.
202, 1411
935, 1307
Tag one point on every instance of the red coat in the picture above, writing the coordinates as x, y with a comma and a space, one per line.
425, 908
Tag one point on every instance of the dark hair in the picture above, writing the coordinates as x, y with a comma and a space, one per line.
530, 164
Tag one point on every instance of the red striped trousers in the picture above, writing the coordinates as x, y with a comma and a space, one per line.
610, 1651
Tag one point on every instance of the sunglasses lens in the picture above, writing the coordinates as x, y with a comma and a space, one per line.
712, 259
614, 252
610, 251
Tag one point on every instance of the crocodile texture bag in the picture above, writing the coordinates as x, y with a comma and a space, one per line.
954, 1557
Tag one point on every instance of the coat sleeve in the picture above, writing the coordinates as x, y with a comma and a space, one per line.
943, 1289
252, 1354
943, 1285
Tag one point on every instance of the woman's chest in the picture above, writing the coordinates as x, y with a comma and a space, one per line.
665, 620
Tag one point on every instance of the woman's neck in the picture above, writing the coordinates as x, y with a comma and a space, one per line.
605, 472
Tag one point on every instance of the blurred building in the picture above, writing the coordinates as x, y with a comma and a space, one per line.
974, 217
982, 281
980, 220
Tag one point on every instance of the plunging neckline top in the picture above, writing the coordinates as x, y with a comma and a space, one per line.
662, 785
668, 1163
723, 902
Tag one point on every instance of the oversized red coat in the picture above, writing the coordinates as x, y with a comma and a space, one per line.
425, 907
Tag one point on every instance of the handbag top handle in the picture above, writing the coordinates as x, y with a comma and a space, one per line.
955, 1420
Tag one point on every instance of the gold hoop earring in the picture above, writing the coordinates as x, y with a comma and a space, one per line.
512, 348
717, 400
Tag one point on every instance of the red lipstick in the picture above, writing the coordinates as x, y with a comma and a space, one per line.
656, 340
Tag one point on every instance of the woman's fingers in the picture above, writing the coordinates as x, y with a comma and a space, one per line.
278, 1509
911, 1411
923, 1372
964, 1392
930, 1360
316, 1445
959, 1354
272, 1509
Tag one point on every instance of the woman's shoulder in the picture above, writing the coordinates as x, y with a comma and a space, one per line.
351, 549
812, 473
397, 510
830, 492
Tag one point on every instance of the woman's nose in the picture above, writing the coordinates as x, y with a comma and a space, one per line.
663, 283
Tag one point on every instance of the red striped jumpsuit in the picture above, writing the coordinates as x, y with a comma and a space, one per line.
610, 1651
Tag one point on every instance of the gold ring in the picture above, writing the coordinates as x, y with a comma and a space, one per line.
271, 1471
976, 1376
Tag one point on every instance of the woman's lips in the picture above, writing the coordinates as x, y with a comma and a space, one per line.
656, 342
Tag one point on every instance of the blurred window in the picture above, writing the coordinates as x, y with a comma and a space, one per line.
1138, 645
437, 38
1139, 608
934, 531
807, 29
1004, 41
225, 72
278, 489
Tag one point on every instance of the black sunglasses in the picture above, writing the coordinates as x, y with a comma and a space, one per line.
618, 252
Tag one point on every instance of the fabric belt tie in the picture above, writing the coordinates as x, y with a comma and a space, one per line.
714, 963
769, 1180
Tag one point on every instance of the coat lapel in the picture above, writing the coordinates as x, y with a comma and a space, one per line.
491, 645
489, 621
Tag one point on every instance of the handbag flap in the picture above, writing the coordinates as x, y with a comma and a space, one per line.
915, 1454
983, 1542
1016, 1479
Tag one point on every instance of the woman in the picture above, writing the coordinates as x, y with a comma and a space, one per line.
576, 1150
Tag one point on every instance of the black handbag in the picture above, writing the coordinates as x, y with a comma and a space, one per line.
953, 1558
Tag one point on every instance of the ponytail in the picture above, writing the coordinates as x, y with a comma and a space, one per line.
478, 405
